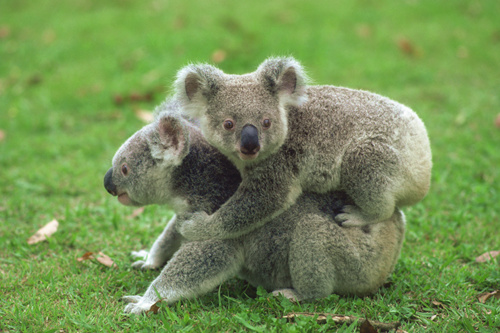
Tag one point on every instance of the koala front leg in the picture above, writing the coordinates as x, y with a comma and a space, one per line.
196, 268
370, 176
263, 194
163, 248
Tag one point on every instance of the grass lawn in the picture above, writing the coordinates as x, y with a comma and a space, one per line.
73, 74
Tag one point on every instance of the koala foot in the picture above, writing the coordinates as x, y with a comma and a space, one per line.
351, 216
137, 304
143, 263
288, 293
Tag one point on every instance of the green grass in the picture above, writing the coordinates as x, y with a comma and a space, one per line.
62, 63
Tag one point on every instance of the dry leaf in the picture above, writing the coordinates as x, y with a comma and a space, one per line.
44, 232
406, 47
364, 31
219, 56
438, 304
366, 327
102, 258
105, 260
86, 256
2, 135
4, 32
433, 317
145, 116
154, 308
497, 121
136, 213
487, 256
482, 298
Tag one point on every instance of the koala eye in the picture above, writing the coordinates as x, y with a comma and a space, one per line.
228, 124
266, 123
124, 169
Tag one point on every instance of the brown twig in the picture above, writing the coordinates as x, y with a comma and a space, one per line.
341, 319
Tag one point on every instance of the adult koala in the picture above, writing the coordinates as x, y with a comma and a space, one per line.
286, 137
301, 253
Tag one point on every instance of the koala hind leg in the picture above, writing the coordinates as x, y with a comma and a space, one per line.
319, 253
196, 268
369, 176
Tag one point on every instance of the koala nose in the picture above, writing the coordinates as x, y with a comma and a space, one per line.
249, 140
108, 182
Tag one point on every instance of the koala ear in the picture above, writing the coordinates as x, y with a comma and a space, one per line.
285, 78
172, 143
195, 85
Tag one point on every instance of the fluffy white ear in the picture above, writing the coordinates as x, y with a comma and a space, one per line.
286, 78
171, 144
195, 85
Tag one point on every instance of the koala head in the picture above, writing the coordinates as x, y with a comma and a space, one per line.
142, 165
244, 116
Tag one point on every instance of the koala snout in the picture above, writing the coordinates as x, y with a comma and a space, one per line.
249, 144
108, 182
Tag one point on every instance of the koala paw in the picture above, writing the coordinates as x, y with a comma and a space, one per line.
193, 227
138, 304
142, 254
143, 263
351, 217
287, 293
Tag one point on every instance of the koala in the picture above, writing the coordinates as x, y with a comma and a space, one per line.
163, 163
286, 137
302, 253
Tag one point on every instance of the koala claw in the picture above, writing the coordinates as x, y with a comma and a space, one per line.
142, 254
287, 293
351, 217
137, 304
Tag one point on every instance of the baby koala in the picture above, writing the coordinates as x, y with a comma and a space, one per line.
286, 137
302, 253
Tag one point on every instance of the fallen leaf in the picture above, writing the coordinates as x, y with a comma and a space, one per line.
462, 52
86, 256
105, 260
4, 32
2, 135
487, 256
145, 116
433, 317
497, 121
154, 308
49, 36
136, 213
482, 298
364, 31
366, 327
219, 56
137, 97
102, 258
44, 232
406, 47
438, 304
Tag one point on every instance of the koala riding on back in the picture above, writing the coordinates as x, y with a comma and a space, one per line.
286, 137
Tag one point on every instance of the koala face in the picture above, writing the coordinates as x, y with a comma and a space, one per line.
248, 129
142, 165
244, 116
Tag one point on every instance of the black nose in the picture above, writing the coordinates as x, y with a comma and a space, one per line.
249, 140
108, 182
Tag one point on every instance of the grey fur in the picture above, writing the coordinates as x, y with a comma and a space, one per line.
321, 139
302, 253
